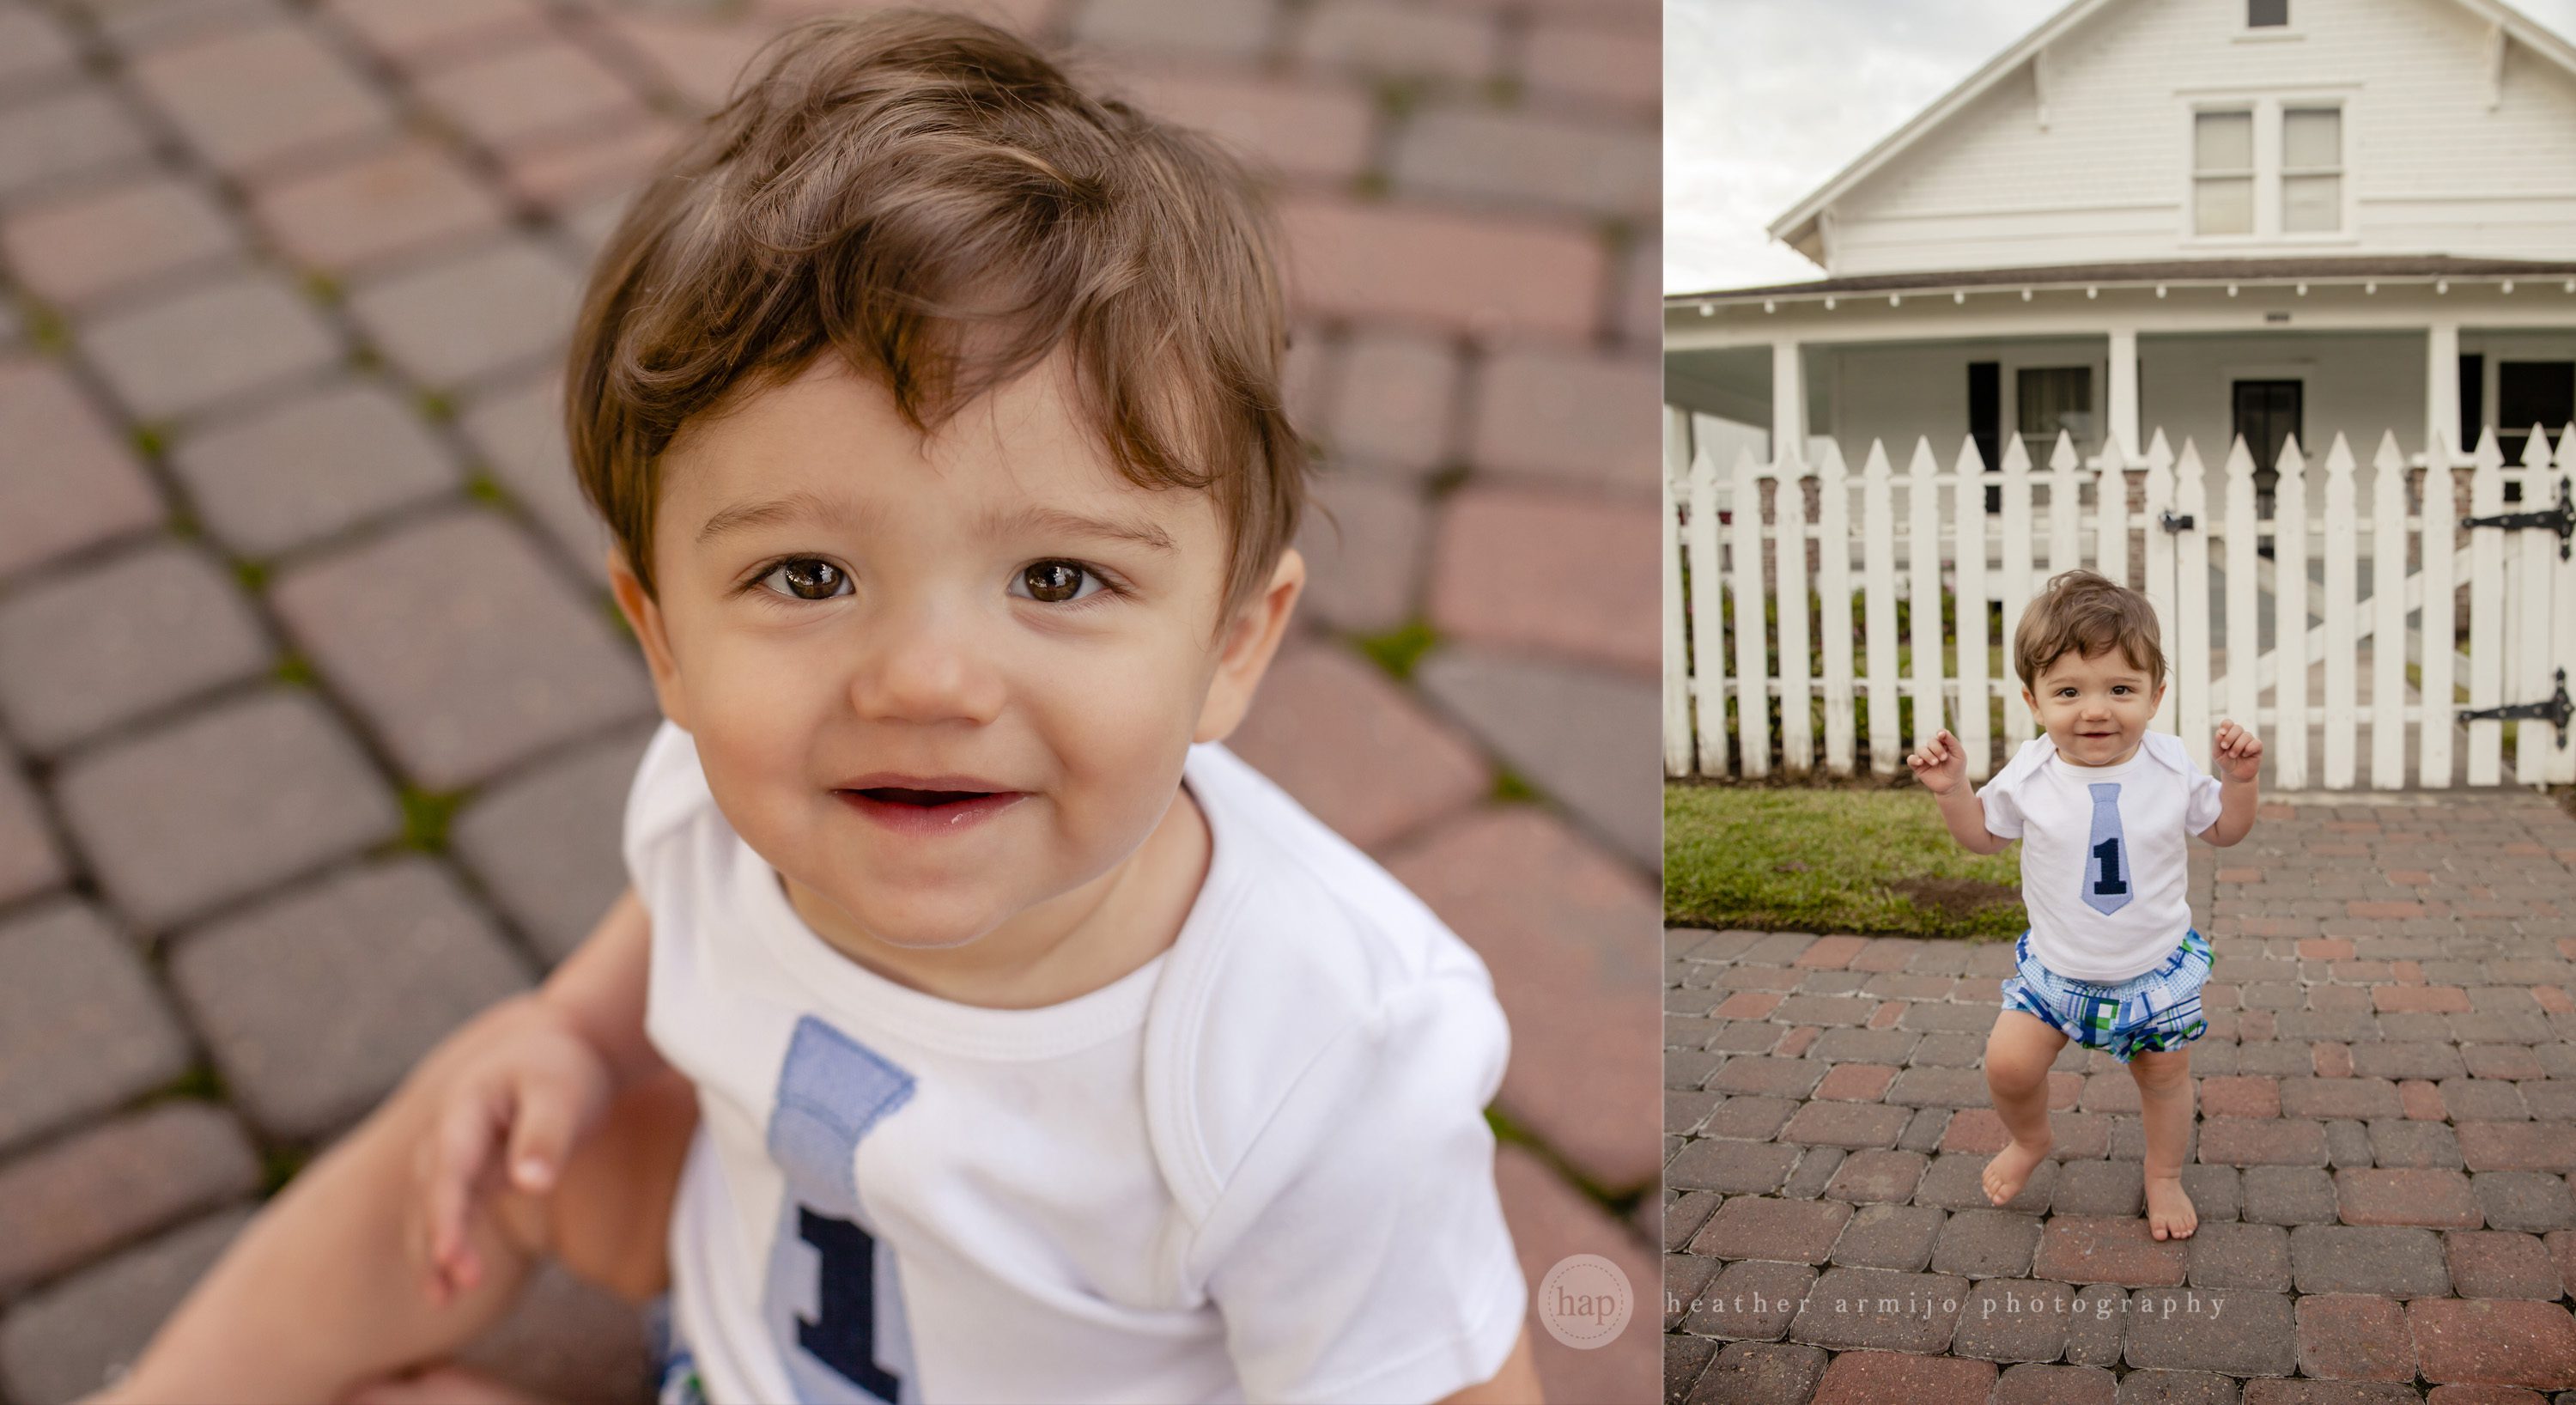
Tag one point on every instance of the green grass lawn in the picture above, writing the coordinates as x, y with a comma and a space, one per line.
1821, 860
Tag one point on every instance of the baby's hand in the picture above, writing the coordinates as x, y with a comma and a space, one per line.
2239, 752
532, 1090
1942, 764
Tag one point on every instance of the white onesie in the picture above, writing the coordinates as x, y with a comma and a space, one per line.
2105, 852
1256, 1167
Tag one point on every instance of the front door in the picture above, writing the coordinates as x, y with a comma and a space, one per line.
2267, 414
2529, 393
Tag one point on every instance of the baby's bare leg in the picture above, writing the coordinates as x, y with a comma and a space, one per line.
324, 1289
2018, 1054
2164, 1104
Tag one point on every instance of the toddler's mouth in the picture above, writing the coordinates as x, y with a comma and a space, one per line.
926, 799
927, 804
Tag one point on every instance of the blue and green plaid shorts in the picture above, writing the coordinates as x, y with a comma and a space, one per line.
2157, 1010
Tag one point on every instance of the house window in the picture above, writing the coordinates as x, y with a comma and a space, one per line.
2266, 14
2049, 399
2311, 170
2222, 173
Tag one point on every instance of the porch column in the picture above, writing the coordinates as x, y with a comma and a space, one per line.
1788, 401
2123, 390
2442, 386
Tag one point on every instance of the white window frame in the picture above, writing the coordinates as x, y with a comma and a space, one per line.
2267, 107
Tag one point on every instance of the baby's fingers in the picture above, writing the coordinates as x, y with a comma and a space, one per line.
545, 1120
464, 1137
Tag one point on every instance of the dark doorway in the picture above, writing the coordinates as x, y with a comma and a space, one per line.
2267, 414
1986, 421
2529, 393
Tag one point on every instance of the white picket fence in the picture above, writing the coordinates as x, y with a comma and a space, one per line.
1737, 582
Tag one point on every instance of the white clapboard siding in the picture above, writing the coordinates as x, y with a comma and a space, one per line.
2287, 741
1789, 549
1923, 570
2340, 609
2533, 740
2018, 723
1677, 676
1708, 616
1834, 617
1968, 513
2243, 700
1941, 553
2559, 764
1752, 673
2388, 605
2159, 585
2486, 611
2190, 637
2439, 595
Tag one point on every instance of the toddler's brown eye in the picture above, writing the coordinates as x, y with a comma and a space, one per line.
809, 579
1053, 581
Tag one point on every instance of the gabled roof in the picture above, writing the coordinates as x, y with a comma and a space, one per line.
1797, 228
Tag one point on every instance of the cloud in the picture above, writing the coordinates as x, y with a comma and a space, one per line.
1766, 99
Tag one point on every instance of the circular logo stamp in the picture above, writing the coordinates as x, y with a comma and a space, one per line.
1585, 1301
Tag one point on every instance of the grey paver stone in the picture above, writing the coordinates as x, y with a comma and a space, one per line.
250, 99
1528, 710
547, 842
2408, 1059
2014, 1319
100, 1188
1880, 1309
1769, 1077
2392, 1261
460, 648
1876, 1174
1759, 1227
317, 1003
2176, 1388
2415, 1142
1731, 1167
2232, 1255
309, 466
73, 250
81, 1027
2100, 1317
2100, 1188
47, 139
519, 429
1846, 1124
1760, 1373
194, 349
1753, 1300
1816, 1168
2533, 1201
30, 860
221, 804
75, 1336
1955, 1181
1750, 1118
459, 319
1986, 1243
85, 650
66, 482
2238, 1333
2289, 1195
33, 47
1889, 1236
2214, 1191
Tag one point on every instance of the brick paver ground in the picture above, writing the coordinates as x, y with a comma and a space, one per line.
315, 719
2383, 1152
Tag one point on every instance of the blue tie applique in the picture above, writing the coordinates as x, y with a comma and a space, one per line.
2106, 870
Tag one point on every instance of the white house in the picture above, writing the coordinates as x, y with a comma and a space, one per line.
2211, 217
2150, 231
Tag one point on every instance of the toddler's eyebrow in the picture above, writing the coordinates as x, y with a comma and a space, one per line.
742, 516
1056, 519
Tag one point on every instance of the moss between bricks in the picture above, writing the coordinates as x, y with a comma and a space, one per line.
1399, 650
1618, 1205
426, 815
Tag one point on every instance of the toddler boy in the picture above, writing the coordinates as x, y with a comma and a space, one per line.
2103, 807
1028, 1045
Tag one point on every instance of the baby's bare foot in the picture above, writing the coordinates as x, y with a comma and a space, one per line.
2169, 1211
2011, 1168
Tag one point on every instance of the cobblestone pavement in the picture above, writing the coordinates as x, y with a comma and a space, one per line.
2381, 1160
315, 720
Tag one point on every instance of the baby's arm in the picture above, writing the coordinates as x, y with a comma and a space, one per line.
1942, 767
2238, 757
540, 1085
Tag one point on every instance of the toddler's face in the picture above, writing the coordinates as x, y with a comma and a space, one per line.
938, 681
2096, 707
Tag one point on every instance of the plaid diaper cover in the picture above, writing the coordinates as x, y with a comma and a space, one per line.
675, 1367
2156, 1010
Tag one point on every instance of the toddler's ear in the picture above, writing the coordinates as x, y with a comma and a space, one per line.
644, 618
1250, 640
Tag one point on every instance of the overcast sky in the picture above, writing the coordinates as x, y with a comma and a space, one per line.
1767, 99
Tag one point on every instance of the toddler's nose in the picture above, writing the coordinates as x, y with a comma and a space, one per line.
925, 669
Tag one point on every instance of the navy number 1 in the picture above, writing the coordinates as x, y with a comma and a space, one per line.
2108, 851
844, 1337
